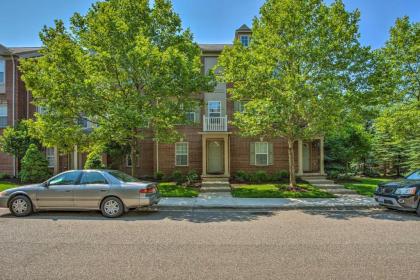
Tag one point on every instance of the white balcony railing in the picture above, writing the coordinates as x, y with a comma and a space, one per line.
215, 123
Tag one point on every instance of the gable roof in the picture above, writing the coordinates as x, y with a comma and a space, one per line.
213, 47
243, 28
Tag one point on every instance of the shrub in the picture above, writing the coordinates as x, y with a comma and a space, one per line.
333, 174
34, 166
178, 177
281, 175
4, 176
259, 177
241, 176
193, 176
159, 175
94, 161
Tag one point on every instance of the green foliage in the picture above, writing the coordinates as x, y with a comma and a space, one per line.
126, 66
192, 177
241, 176
94, 160
159, 175
4, 176
34, 166
16, 141
173, 190
303, 68
178, 177
259, 176
281, 175
278, 190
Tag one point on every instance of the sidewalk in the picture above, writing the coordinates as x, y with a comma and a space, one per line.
218, 202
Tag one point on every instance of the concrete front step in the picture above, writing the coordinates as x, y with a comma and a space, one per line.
314, 177
340, 191
328, 186
209, 195
320, 181
215, 179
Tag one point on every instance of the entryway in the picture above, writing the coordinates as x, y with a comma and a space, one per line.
215, 156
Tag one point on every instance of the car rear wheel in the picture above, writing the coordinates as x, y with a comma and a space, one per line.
112, 207
20, 206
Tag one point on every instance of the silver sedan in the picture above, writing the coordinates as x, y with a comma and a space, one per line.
112, 192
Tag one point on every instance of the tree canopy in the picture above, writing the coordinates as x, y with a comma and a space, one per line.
126, 67
303, 70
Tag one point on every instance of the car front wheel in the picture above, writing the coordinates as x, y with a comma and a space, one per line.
20, 206
112, 207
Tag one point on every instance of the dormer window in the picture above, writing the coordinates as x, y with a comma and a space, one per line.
245, 40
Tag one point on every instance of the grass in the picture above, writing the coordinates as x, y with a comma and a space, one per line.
6, 185
173, 190
277, 191
364, 186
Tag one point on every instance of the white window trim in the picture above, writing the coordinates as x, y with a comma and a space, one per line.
4, 73
220, 108
266, 153
50, 156
194, 114
177, 154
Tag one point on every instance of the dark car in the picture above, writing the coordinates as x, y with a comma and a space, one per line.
112, 192
402, 194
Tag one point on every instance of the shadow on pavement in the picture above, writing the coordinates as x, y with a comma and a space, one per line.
379, 214
193, 216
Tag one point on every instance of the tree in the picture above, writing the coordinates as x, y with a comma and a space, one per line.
127, 67
16, 140
94, 160
302, 71
399, 78
34, 166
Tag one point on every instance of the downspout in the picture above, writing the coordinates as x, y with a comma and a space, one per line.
13, 107
157, 156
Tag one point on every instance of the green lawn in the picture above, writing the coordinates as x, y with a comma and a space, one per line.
276, 191
173, 190
364, 186
6, 185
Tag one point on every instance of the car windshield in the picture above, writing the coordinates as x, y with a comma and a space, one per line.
414, 176
123, 177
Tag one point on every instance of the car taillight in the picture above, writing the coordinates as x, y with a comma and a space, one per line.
151, 189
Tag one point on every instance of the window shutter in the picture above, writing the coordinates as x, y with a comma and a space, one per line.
270, 154
236, 106
252, 153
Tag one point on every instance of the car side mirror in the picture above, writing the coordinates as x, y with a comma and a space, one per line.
45, 185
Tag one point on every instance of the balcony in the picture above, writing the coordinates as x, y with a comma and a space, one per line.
215, 123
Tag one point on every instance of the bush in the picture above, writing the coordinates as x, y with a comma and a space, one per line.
192, 176
34, 166
94, 161
159, 175
333, 174
4, 176
281, 175
259, 177
178, 177
241, 176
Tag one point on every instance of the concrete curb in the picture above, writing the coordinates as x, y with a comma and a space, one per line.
291, 207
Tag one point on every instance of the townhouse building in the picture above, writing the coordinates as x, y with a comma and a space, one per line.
209, 145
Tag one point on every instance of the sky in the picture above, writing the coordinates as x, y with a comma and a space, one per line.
211, 21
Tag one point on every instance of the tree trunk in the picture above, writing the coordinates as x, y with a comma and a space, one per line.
133, 153
292, 175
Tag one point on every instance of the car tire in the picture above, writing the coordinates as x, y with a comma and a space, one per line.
418, 209
112, 207
20, 206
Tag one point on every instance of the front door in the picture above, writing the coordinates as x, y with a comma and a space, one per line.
215, 156
306, 158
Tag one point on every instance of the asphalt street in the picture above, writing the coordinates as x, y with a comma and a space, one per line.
198, 244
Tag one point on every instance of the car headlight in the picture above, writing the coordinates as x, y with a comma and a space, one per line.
406, 190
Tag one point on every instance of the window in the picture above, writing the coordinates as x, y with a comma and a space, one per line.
215, 109
50, 155
129, 162
123, 177
239, 106
92, 178
181, 154
40, 110
3, 115
191, 117
261, 153
68, 178
245, 40
2, 72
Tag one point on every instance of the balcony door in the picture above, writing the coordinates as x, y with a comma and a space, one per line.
214, 109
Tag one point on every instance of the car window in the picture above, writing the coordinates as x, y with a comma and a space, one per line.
123, 177
414, 176
93, 178
68, 178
